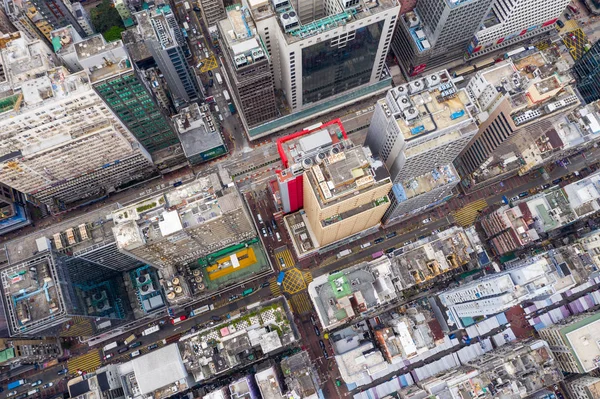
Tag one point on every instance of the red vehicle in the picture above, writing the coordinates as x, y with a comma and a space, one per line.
178, 320
573, 8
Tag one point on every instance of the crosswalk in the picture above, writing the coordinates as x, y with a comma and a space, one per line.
301, 303
78, 326
275, 288
293, 281
308, 278
284, 259
88, 362
466, 216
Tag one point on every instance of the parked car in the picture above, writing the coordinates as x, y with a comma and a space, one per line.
123, 350
390, 250
197, 9
13, 393
515, 198
322, 344
63, 371
135, 344
312, 320
317, 331
108, 356
134, 354
545, 186
48, 385
36, 383
557, 180
153, 346
215, 318
264, 231
425, 221
378, 240
560, 24
210, 73
265, 284
523, 194
391, 235
408, 243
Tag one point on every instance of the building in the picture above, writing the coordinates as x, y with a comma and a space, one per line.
244, 388
249, 67
58, 14
573, 342
43, 292
199, 134
343, 188
353, 36
268, 384
300, 376
62, 146
28, 351
520, 106
213, 11
18, 16
511, 22
124, 12
583, 387
118, 83
354, 292
103, 383
5, 25
164, 40
14, 213
418, 130
587, 74
437, 32
430, 257
198, 235
487, 296
240, 341
83, 18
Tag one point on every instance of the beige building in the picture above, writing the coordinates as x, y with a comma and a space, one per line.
584, 387
345, 194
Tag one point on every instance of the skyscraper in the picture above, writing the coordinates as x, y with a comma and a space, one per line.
163, 38
60, 143
212, 11
510, 22
418, 130
248, 64
436, 32
587, 74
58, 14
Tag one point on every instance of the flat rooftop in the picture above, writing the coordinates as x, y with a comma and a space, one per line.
268, 384
63, 39
159, 368
197, 130
425, 183
426, 105
102, 59
31, 294
583, 337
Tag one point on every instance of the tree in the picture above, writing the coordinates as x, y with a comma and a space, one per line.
104, 17
114, 33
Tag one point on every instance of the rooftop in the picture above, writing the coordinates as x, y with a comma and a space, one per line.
101, 59
583, 334
160, 368
63, 39
339, 296
197, 130
268, 384
239, 31
427, 105
584, 195
23, 60
425, 183
299, 374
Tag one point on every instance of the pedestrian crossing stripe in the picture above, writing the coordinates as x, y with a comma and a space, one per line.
301, 303
79, 327
288, 259
467, 215
275, 288
308, 278
88, 363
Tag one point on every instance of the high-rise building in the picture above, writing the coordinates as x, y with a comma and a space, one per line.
418, 130
437, 32
43, 292
5, 25
114, 78
83, 18
58, 14
123, 9
323, 63
25, 22
60, 143
587, 74
583, 387
510, 22
515, 106
164, 40
212, 11
248, 65
573, 342
344, 190
13, 210
28, 351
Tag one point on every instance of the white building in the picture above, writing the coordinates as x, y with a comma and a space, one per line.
326, 62
82, 16
60, 143
512, 21
496, 293
418, 130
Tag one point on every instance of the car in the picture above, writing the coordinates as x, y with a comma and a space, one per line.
322, 344
568, 17
153, 346
210, 73
270, 231
325, 354
425, 221
215, 318
390, 250
317, 331
312, 320
196, 9
108, 356
134, 354
515, 198
13, 393
48, 385
36, 383
264, 231
187, 18
436, 231
265, 284
408, 243
211, 83
523, 194
233, 298
123, 350
545, 186
560, 24
557, 180
135, 344
378, 240
274, 224
63, 371
281, 262
391, 235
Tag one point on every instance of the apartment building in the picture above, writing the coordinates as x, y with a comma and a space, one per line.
58, 14
587, 74
583, 387
213, 11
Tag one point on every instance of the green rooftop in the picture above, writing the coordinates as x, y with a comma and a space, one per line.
339, 285
7, 354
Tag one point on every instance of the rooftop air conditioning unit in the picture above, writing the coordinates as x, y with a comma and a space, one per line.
307, 163
289, 20
411, 113
404, 102
320, 157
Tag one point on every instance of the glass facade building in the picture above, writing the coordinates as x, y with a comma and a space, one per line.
587, 74
339, 64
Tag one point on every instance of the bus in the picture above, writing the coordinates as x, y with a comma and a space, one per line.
280, 278
247, 292
150, 330
226, 95
178, 320
110, 346
202, 309
16, 384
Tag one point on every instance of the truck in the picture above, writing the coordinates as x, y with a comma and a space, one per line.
150, 330
247, 292
202, 309
16, 384
186, 26
377, 255
110, 346
129, 339
231, 108
226, 95
343, 253
187, 6
33, 392
219, 78
280, 277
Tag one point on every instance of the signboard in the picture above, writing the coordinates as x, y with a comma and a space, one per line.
417, 70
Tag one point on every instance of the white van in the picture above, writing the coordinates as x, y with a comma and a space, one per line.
134, 354
365, 245
278, 236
